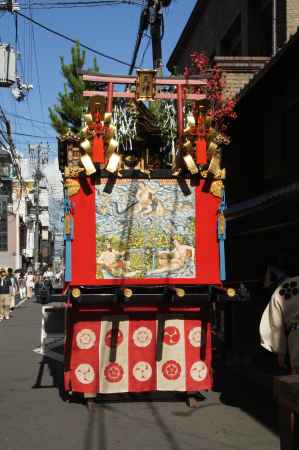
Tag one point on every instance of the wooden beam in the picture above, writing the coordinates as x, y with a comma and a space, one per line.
132, 80
159, 95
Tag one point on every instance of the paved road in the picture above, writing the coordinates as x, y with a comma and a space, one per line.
38, 419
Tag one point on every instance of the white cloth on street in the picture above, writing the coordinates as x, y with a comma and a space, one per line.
277, 327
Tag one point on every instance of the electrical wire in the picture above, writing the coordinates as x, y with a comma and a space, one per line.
34, 136
80, 4
37, 73
74, 41
19, 116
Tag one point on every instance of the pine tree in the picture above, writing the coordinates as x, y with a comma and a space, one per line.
67, 113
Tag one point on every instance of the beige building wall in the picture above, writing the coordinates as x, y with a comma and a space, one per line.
12, 258
292, 17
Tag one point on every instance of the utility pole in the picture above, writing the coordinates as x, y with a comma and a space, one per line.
152, 16
155, 22
38, 154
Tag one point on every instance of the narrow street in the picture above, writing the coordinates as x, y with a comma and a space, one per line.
238, 418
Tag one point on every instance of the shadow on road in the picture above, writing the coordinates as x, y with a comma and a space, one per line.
255, 400
95, 432
55, 370
235, 390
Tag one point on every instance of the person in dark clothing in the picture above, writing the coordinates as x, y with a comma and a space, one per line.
5, 288
14, 289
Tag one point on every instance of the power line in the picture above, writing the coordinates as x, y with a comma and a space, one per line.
33, 135
37, 73
18, 116
74, 41
80, 4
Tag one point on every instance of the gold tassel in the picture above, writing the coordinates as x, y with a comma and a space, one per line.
110, 133
214, 166
188, 146
88, 164
85, 130
212, 150
112, 147
87, 118
190, 163
113, 163
107, 117
86, 145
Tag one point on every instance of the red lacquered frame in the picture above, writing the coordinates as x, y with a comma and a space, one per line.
84, 243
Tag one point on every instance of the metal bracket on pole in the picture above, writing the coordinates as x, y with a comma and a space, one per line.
9, 5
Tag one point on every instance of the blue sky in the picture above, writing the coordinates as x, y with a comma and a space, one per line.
110, 29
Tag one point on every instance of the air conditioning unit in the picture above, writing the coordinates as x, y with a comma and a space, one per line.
7, 65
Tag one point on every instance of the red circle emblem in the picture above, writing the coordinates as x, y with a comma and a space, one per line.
171, 370
171, 336
113, 373
112, 340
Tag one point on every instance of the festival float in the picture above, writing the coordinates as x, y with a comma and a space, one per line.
144, 232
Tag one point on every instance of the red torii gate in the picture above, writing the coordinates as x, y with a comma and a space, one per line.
179, 82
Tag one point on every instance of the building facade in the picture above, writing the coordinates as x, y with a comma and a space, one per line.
262, 185
236, 28
262, 165
241, 35
18, 219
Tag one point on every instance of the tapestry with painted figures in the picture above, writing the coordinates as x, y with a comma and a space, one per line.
145, 229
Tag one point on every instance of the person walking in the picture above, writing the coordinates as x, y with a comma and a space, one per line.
22, 286
5, 286
14, 288
48, 276
30, 282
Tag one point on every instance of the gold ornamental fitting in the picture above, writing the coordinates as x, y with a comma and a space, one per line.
113, 163
128, 293
231, 292
180, 292
146, 85
87, 118
76, 292
97, 104
86, 145
88, 164
190, 163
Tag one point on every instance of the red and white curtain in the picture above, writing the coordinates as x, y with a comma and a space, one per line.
126, 354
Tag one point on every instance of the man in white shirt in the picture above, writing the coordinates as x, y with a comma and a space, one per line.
279, 328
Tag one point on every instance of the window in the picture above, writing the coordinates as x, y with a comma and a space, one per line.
3, 224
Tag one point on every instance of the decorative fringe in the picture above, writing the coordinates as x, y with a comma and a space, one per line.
98, 151
201, 151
